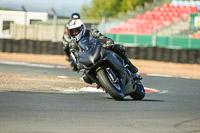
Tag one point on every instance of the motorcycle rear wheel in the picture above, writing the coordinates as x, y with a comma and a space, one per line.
106, 83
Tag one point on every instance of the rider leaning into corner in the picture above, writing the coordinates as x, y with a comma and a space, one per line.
77, 31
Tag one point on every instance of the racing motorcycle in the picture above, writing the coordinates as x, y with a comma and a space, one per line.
107, 69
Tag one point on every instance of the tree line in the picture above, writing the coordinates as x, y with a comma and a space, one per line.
109, 8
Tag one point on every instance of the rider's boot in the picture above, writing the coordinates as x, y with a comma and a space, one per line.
86, 78
131, 67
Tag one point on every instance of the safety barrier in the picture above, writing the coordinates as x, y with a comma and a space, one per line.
146, 52
31, 46
159, 41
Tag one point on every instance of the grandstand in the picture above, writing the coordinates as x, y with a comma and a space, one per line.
168, 20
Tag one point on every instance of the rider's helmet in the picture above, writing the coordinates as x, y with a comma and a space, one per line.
76, 29
75, 16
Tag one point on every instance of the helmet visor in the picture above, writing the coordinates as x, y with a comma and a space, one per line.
74, 32
75, 17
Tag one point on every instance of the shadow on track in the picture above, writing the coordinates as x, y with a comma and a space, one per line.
144, 100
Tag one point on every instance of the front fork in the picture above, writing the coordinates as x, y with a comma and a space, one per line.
118, 67
113, 63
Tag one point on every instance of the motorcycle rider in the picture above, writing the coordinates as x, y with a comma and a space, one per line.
77, 30
67, 39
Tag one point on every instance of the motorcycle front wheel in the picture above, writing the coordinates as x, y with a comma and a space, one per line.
109, 85
139, 92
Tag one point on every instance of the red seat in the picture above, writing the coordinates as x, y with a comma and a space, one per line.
192, 36
150, 26
195, 35
148, 31
156, 9
184, 15
156, 16
139, 17
122, 24
158, 27
113, 30
166, 23
184, 9
176, 19
176, 14
198, 36
194, 9
130, 21
166, 6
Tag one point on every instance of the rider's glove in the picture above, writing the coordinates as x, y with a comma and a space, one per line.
109, 42
108, 46
73, 44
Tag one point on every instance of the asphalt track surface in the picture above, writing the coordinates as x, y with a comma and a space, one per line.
176, 109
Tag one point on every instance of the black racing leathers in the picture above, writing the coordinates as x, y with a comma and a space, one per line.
66, 48
66, 40
96, 34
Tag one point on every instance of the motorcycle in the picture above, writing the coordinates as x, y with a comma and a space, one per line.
107, 69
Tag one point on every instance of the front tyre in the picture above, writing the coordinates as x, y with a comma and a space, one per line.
139, 92
109, 85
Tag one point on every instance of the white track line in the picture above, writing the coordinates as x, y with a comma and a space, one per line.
34, 65
63, 77
159, 75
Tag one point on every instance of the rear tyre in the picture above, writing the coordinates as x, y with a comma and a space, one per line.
139, 92
107, 84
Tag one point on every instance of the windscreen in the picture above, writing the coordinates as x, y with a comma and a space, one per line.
87, 43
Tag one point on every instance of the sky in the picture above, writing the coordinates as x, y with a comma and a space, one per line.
62, 7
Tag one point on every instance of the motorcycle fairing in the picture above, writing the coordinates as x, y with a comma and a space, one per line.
91, 51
